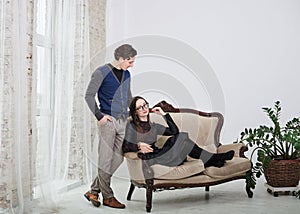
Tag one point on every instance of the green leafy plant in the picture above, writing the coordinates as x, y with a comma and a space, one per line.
271, 142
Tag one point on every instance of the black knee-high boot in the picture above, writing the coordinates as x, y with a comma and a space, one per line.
211, 159
222, 156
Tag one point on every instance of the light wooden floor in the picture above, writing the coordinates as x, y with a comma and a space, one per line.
225, 198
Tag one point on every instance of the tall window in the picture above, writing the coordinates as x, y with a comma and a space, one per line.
44, 56
45, 75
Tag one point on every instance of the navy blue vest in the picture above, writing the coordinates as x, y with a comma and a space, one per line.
113, 95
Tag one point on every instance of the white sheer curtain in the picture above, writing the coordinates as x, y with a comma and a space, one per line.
55, 69
16, 146
84, 131
56, 107
2, 28
66, 150
47, 139
21, 146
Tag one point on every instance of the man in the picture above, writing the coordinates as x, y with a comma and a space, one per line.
111, 84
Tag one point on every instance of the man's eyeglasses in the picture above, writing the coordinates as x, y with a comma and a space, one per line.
143, 107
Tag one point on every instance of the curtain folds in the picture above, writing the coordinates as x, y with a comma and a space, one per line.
82, 126
47, 132
63, 121
56, 107
17, 157
2, 50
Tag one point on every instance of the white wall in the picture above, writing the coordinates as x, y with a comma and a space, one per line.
252, 47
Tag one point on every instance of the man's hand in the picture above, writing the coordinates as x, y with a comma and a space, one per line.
104, 120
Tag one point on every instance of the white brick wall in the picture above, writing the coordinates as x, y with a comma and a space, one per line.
97, 42
8, 184
9, 146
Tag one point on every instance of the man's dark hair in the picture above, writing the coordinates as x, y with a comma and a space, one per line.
125, 51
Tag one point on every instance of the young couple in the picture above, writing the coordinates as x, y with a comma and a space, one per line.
110, 83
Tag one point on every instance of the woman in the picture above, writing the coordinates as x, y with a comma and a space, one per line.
141, 135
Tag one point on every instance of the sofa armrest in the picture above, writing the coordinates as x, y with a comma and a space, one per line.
238, 148
135, 166
131, 155
138, 169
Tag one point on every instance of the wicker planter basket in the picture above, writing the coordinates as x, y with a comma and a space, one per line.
283, 173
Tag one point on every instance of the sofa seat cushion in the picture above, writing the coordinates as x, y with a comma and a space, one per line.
231, 168
185, 170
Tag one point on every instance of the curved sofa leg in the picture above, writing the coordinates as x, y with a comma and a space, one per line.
149, 192
249, 192
149, 175
131, 189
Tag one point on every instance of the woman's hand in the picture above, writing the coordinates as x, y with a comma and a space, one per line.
145, 148
158, 110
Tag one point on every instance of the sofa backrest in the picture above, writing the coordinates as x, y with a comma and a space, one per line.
203, 128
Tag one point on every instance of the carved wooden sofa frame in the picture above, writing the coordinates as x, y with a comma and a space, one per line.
147, 178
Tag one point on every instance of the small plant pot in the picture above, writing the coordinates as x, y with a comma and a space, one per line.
283, 173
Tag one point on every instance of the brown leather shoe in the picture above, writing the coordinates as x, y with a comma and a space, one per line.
114, 203
92, 198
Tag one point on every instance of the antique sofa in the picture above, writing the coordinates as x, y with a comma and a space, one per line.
203, 128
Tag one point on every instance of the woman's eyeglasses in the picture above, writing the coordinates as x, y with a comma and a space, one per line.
143, 107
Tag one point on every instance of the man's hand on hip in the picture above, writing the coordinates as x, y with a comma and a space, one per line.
104, 119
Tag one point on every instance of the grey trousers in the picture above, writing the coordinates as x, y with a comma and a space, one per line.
110, 155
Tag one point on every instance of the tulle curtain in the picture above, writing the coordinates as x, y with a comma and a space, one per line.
17, 160
55, 98
47, 142
64, 131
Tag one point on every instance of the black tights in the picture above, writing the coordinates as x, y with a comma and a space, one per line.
210, 159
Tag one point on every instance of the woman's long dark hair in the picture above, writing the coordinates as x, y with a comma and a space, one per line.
132, 110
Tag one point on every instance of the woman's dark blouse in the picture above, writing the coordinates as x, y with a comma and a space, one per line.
148, 133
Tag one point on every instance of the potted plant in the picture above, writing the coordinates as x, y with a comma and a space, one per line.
277, 149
